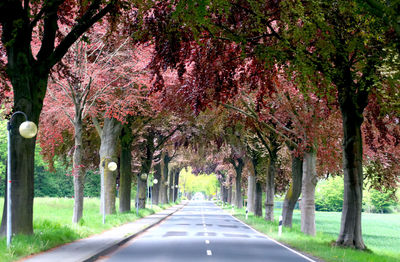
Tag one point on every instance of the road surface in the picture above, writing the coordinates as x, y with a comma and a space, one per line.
201, 231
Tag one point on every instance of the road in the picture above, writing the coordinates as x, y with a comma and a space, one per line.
201, 231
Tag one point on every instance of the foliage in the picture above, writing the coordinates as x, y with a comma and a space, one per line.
207, 184
329, 195
381, 201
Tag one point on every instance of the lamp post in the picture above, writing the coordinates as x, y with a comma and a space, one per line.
112, 166
27, 129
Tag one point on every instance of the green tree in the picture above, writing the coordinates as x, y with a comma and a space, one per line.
381, 201
329, 195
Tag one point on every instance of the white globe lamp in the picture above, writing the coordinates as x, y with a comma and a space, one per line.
112, 166
28, 129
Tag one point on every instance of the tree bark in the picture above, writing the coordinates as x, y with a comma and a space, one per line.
176, 183
145, 169
233, 201
308, 193
155, 194
171, 185
258, 187
239, 170
350, 230
251, 191
293, 192
229, 199
78, 170
125, 171
270, 189
258, 199
222, 190
164, 179
109, 136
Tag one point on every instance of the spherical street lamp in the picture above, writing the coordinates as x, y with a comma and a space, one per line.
176, 186
155, 181
27, 129
166, 183
112, 166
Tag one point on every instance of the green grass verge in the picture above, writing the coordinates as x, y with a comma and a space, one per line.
53, 227
381, 234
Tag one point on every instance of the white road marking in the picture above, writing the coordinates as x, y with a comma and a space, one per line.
209, 253
206, 234
207, 241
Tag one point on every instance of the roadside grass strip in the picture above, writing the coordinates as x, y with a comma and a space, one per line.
381, 234
53, 227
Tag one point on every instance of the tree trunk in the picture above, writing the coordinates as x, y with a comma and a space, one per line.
238, 165
171, 186
229, 200
155, 193
164, 179
233, 201
145, 169
125, 171
176, 183
258, 187
293, 192
258, 199
109, 136
78, 170
239, 170
29, 86
308, 193
350, 230
270, 190
251, 191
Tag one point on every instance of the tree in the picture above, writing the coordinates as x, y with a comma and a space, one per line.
28, 74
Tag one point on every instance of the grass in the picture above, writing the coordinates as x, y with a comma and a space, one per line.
381, 234
53, 227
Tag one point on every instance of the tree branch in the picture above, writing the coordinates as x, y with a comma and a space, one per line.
97, 125
87, 20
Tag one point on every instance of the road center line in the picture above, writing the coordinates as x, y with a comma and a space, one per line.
207, 241
209, 253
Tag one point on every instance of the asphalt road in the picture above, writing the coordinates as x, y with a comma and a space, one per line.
202, 231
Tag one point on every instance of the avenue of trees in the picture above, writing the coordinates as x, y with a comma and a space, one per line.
269, 96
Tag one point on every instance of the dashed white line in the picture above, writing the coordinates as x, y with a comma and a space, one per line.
207, 241
209, 253
206, 234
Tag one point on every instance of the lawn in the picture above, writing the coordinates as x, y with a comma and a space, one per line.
381, 234
53, 227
